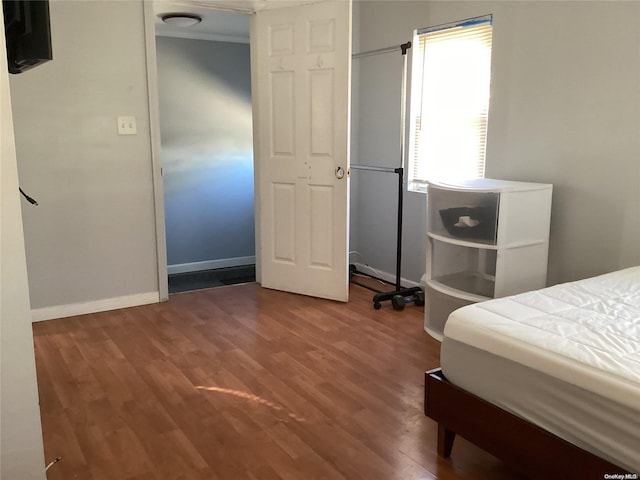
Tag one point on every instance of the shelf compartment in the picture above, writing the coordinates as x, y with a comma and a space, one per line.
479, 285
468, 269
460, 242
437, 308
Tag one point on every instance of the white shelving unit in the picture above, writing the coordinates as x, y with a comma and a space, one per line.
485, 239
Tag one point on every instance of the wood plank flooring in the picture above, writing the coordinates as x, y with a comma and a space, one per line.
242, 382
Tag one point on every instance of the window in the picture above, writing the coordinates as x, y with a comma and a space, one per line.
450, 102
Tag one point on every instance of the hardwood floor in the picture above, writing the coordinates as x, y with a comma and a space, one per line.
242, 382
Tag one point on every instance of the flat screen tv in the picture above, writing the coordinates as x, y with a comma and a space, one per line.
28, 33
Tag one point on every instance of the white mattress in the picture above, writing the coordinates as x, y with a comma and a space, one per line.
582, 338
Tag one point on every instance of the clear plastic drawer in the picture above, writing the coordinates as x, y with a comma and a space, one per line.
464, 215
437, 309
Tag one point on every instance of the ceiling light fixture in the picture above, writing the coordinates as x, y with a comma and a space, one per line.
181, 20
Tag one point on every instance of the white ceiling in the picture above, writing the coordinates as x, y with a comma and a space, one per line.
222, 20
221, 25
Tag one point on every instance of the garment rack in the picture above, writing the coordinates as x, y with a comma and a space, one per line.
400, 296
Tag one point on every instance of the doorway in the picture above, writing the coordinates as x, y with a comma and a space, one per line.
322, 159
205, 112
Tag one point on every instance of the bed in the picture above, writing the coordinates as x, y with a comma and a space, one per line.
548, 380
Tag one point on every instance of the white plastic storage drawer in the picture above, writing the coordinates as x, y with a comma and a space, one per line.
437, 309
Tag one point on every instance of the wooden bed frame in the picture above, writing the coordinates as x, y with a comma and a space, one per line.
522, 445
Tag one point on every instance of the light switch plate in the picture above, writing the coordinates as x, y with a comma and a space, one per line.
127, 125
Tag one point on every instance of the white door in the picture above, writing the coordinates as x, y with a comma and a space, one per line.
301, 88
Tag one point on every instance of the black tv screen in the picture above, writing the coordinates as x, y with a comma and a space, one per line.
28, 33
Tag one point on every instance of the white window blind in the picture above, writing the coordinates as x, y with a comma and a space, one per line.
450, 102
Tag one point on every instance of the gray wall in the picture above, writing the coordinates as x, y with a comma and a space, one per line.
207, 149
564, 98
563, 110
93, 235
376, 141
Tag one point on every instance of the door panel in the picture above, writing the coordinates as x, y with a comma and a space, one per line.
302, 78
321, 218
284, 222
283, 108
321, 93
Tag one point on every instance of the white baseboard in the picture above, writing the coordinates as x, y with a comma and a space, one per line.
61, 311
210, 264
389, 277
